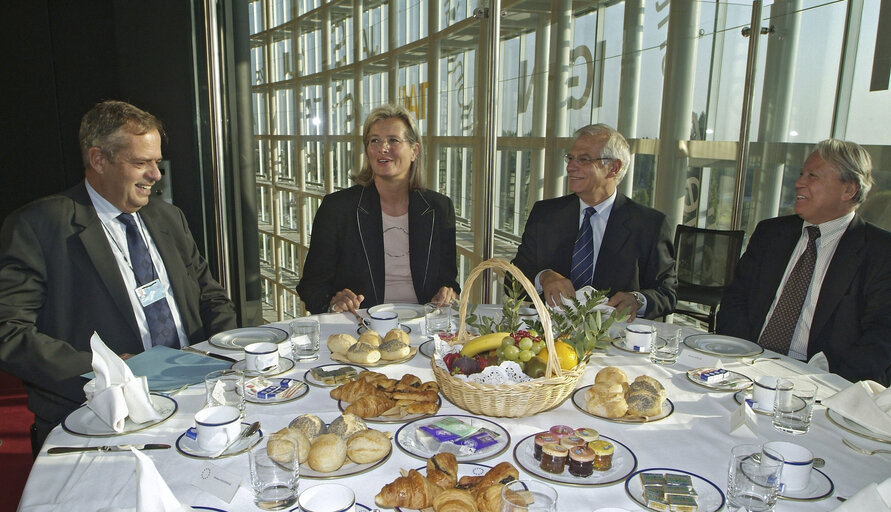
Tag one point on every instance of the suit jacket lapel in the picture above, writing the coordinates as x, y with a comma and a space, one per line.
369, 224
618, 231
844, 266
421, 221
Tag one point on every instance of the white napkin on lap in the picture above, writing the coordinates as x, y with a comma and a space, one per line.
867, 402
874, 498
115, 393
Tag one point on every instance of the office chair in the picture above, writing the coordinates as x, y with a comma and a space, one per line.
706, 263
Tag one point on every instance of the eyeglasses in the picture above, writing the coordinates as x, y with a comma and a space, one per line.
583, 160
390, 142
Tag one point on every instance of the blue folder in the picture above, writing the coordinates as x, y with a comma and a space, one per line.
168, 369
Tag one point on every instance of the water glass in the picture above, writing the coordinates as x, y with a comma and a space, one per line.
666, 346
753, 479
794, 406
437, 319
275, 485
528, 496
305, 334
225, 387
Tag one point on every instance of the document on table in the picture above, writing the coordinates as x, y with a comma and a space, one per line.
168, 369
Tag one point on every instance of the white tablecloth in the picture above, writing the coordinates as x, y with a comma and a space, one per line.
695, 438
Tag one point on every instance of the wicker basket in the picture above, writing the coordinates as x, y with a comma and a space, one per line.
508, 400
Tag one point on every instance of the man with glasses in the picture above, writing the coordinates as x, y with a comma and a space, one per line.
596, 236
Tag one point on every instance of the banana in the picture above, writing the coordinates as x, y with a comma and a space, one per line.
483, 343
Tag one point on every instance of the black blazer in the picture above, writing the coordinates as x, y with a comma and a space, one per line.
347, 248
59, 282
637, 253
852, 320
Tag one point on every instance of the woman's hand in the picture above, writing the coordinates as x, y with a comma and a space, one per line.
444, 296
345, 300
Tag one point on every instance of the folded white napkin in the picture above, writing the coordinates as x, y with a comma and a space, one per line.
874, 498
866, 402
152, 492
115, 393
819, 362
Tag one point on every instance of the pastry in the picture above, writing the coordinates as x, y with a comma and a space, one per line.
368, 446
416, 396
409, 491
611, 375
502, 473
363, 353
339, 343
370, 406
392, 350
346, 425
644, 404
408, 382
282, 442
371, 337
310, 424
327, 454
454, 500
613, 408
442, 470
489, 499
648, 382
352, 391
398, 335
603, 391
421, 408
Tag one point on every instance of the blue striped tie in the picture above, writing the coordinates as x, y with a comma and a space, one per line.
157, 314
583, 253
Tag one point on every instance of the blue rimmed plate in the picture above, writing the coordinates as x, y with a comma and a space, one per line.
84, 422
237, 339
708, 495
408, 442
624, 463
578, 400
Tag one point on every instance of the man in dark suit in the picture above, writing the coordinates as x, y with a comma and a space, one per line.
67, 268
596, 236
844, 300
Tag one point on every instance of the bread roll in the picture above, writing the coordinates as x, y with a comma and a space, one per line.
392, 350
339, 343
652, 383
346, 425
613, 408
363, 353
611, 375
398, 335
371, 337
368, 446
310, 424
327, 454
280, 445
603, 391
644, 404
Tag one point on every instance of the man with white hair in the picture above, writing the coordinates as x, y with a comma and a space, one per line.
596, 236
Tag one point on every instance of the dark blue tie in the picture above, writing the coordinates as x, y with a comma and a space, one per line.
583, 253
157, 314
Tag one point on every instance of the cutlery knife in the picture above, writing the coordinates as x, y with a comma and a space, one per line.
118, 448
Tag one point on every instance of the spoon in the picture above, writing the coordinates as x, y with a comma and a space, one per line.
245, 434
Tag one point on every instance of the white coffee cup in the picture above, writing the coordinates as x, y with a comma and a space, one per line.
217, 426
382, 321
638, 337
261, 357
797, 464
764, 393
327, 498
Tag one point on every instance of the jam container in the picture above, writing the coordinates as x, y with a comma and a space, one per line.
588, 434
581, 461
541, 439
553, 458
603, 454
561, 431
570, 441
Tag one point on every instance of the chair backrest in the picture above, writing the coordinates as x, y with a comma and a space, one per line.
707, 257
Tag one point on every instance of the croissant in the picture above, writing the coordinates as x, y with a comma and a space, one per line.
370, 376
417, 396
410, 491
500, 474
421, 408
408, 381
442, 470
489, 499
429, 385
352, 391
468, 481
370, 406
454, 500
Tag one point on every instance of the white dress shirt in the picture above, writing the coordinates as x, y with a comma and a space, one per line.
116, 233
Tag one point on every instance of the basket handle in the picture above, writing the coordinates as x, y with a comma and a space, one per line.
505, 267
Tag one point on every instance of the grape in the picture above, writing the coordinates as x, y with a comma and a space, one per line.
500, 354
525, 344
525, 355
507, 342
537, 347
511, 353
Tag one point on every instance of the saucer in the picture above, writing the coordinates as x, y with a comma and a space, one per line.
427, 348
189, 447
819, 487
746, 396
620, 344
284, 366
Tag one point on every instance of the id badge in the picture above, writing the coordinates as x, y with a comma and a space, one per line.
150, 292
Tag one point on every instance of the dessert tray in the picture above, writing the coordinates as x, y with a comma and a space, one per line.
709, 496
726, 346
84, 422
624, 463
407, 440
189, 447
237, 339
405, 312
578, 400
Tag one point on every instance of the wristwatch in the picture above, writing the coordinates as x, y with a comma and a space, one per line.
639, 298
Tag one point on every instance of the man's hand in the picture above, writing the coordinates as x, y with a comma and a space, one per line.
345, 300
444, 296
554, 287
624, 302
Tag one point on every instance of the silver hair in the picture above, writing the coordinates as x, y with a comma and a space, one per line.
616, 146
852, 163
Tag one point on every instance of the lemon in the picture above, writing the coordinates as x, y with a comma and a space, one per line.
566, 355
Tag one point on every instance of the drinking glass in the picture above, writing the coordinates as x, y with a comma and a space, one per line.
753, 479
528, 496
794, 406
666, 345
437, 319
225, 387
275, 484
305, 334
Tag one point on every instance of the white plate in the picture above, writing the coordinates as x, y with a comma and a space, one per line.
733, 382
349, 468
427, 348
392, 419
285, 365
464, 469
578, 399
300, 389
407, 441
406, 312
718, 345
308, 377
404, 327
380, 362
189, 447
746, 396
84, 422
819, 487
854, 427
708, 495
624, 463
237, 339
